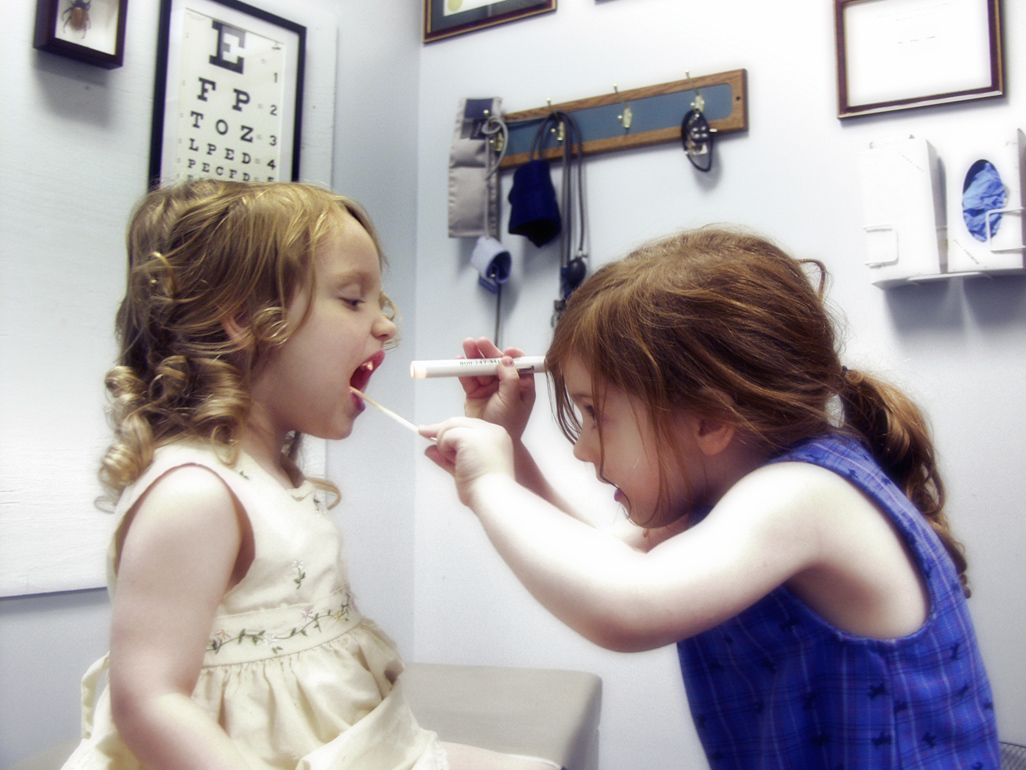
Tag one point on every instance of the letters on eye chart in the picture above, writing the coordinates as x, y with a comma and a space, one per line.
230, 95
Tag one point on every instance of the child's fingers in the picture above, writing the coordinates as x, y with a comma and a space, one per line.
486, 348
479, 387
434, 454
515, 386
438, 432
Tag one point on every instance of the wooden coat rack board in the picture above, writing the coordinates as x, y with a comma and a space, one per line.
656, 115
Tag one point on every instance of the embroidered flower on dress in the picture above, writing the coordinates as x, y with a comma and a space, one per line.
311, 622
299, 570
221, 637
341, 615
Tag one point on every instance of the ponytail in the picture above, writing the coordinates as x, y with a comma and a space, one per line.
897, 434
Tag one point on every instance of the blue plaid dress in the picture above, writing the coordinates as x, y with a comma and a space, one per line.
779, 687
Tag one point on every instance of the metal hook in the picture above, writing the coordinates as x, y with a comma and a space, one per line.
627, 115
558, 131
699, 102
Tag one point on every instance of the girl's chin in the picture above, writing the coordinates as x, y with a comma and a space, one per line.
336, 432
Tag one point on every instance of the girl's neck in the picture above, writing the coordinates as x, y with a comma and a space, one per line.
266, 450
743, 455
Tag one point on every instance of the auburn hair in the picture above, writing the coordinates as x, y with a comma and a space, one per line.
723, 322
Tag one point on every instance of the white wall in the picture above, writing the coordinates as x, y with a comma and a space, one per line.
376, 163
956, 345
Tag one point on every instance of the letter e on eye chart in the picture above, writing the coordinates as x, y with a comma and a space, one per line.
230, 95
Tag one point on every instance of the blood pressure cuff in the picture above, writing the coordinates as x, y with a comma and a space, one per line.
534, 212
473, 188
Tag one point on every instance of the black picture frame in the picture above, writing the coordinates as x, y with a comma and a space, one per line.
443, 20
91, 31
903, 54
228, 93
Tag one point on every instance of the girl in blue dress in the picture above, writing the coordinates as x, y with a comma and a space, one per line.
786, 516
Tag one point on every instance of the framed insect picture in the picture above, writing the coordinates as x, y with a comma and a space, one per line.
92, 31
228, 94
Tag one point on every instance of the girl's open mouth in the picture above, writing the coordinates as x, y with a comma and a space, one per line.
364, 371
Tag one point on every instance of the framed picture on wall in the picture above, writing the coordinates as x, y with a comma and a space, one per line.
901, 54
228, 94
92, 31
445, 18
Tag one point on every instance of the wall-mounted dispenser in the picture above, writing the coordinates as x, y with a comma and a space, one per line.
903, 210
986, 225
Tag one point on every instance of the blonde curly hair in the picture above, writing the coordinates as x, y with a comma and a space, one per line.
200, 253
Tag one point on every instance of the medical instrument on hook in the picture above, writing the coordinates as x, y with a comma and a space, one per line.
626, 116
696, 133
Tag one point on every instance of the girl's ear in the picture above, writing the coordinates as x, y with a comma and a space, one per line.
712, 435
239, 334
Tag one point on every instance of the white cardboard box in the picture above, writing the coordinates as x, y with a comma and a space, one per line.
903, 211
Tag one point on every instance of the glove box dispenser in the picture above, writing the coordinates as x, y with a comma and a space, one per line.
986, 226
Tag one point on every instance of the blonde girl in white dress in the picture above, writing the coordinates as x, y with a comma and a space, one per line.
251, 310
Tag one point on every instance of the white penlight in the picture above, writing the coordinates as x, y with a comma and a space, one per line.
472, 367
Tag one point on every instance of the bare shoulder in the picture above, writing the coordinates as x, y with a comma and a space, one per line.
817, 499
187, 504
860, 575
186, 493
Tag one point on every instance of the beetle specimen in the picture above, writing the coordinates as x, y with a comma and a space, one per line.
77, 15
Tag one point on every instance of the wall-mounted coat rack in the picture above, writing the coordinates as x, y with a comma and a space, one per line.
635, 118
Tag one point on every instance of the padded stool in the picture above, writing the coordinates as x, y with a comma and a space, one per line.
537, 712
546, 713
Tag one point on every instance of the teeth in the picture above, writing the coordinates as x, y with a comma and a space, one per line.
369, 366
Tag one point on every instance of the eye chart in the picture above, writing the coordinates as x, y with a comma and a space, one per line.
232, 91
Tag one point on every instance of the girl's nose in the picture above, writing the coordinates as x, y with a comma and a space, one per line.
384, 328
580, 450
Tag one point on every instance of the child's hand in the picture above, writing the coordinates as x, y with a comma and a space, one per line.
469, 449
506, 399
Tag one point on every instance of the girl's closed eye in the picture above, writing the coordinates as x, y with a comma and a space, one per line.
352, 296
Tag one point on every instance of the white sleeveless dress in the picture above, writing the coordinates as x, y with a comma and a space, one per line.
292, 672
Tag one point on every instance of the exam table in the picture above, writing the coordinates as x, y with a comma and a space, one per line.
546, 713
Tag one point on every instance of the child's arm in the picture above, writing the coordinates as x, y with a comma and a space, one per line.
612, 594
177, 561
507, 400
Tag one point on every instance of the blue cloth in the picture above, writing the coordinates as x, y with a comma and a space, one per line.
984, 192
534, 212
779, 687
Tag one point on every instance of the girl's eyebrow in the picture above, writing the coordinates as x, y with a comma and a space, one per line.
349, 276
